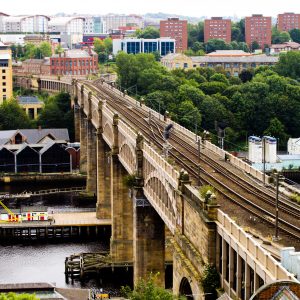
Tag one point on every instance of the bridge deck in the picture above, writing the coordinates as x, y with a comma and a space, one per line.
64, 219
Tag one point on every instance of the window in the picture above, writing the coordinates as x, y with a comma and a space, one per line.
4, 83
185, 65
4, 97
4, 90
3, 77
3, 71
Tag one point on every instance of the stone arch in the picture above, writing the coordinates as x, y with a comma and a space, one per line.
128, 155
108, 133
185, 289
162, 190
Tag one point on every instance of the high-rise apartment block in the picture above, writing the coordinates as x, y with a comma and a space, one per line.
258, 28
113, 22
5, 73
217, 28
288, 21
175, 29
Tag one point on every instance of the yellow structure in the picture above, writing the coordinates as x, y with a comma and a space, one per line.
31, 105
174, 61
6, 85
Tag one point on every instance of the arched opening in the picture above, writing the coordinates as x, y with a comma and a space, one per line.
185, 289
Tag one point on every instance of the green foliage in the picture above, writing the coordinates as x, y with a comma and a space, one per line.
201, 96
255, 46
195, 33
57, 113
14, 296
279, 37
210, 280
12, 116
147, 33
46, 49
295, 35
206, 191
129, 180
289, 64
103, 48
148, 290
295, 198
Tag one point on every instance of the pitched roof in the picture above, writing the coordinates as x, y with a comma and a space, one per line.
236, 59
33, 136
229, 53
29, 100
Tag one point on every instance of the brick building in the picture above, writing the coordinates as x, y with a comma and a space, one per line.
74, 62
217, 28
258, 28
34, 67
176, 29
288, 21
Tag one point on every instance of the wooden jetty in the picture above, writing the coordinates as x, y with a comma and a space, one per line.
28, 194
77, 266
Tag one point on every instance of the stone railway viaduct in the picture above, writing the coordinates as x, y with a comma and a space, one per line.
162, 205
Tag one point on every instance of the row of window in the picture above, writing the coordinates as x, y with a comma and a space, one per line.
70, 63
79, 72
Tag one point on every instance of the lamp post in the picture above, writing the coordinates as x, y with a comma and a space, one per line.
278, 178
264, 159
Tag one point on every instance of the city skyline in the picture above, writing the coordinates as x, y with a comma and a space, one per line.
218, 8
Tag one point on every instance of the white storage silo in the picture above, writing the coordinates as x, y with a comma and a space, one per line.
271, 149
255, 149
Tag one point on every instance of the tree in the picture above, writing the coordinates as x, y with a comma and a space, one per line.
148, 290
213, 87
12, 116
57, 113
216, 44
237, 31
289, 64
148, 33
246, 75
59, 49
279, 37
255, 46
277, 130
195, 33
99, 45
46, 49
295, 35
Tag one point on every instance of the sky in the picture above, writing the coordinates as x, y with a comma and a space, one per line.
194, 8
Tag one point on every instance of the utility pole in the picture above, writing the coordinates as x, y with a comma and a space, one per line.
199, 169
264, 160
276, 219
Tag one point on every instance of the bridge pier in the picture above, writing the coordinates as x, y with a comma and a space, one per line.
103, 206
83, 142
91, 184
148, 244
122, 219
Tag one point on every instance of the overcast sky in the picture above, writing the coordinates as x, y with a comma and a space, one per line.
196, 8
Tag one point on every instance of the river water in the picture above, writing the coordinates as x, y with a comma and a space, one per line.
44, 262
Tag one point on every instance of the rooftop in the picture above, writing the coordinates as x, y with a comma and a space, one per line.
287, 44
34, 136
236, 59
229, 53
75, 53
28, 100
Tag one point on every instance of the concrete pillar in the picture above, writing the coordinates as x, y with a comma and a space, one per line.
83, 142
91, 185
148, 244
256, 281
103, 207
239, 276
121, 247
224, 261
231, 267
247, 281
77, 121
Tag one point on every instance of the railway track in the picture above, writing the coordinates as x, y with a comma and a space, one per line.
256, 200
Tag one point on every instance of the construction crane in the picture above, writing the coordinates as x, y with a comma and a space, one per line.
13, 217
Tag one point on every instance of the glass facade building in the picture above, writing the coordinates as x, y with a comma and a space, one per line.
133, 46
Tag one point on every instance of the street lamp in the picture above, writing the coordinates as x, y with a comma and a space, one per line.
278, 178
264, 159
